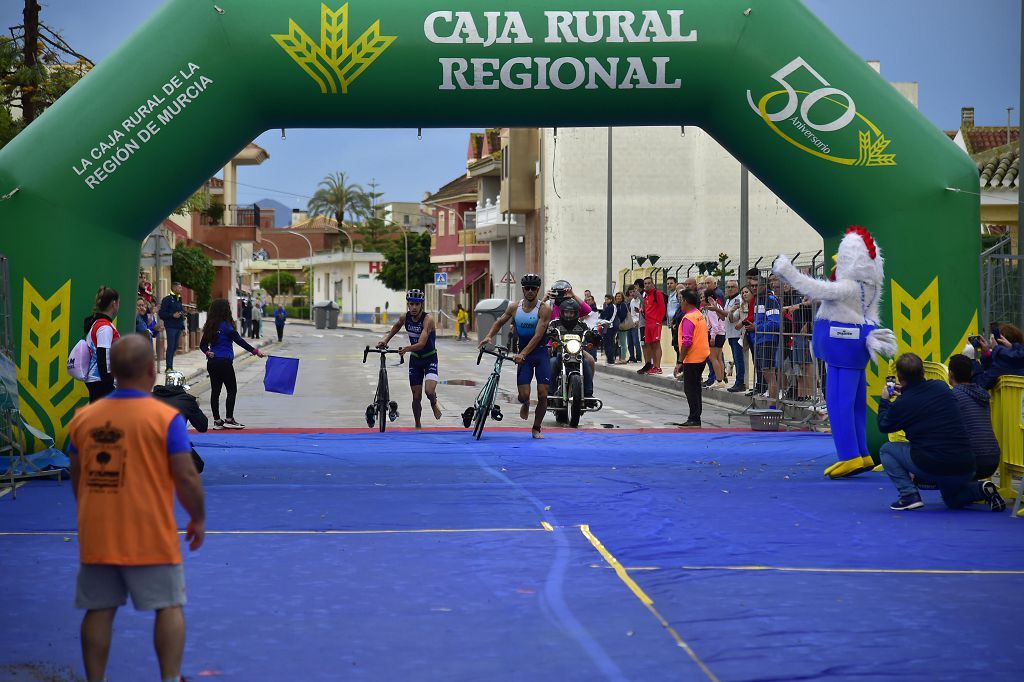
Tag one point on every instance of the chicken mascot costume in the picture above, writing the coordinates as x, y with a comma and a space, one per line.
846, 335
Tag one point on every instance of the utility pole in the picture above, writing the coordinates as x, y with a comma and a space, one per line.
31, 17
744, 223
608, 264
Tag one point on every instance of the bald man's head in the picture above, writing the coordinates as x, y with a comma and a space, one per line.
131, 360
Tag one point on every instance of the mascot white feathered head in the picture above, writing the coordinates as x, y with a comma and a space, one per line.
859, 258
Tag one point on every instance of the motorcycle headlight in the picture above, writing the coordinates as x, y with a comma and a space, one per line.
573, 346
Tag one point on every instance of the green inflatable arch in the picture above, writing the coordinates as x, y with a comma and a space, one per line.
87, 181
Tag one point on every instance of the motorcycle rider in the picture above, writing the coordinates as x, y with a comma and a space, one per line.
532, 317
569, 322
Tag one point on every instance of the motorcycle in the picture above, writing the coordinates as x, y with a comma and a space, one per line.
565, 396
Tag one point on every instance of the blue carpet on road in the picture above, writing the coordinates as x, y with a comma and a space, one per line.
762, 568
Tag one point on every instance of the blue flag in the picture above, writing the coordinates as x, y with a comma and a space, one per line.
281, 375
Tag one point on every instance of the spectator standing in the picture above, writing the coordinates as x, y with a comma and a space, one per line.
624, 328
636, 315
694, 349
257, 318
172, 314
974, 403
610, 315
462, 320
672, 311
141, 322
280, 315
127, 535
938, 448
714, 312
734, 308
100, 334
1002, 354
654, 315
219, 337
247, 318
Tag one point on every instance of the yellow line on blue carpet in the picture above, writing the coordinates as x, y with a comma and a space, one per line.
793, 569
647, 601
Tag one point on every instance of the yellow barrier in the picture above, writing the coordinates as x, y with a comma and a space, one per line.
932, 370
1008, 423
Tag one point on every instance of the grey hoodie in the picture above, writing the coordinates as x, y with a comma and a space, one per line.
973, 402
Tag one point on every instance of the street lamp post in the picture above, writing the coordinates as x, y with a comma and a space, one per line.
309, 283
278, 261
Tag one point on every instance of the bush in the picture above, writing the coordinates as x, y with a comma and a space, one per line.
299, 301
297, 313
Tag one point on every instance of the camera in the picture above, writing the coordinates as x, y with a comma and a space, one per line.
974, 341
995, 330
890, 384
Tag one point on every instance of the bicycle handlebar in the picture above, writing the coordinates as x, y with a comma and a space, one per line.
497, 351
383, 351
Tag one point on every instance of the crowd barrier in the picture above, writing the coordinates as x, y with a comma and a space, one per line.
1008, 423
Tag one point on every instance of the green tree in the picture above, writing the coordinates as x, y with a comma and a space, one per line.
36, 68
269, 283
337, 198
421, 270
374, 234
194, 269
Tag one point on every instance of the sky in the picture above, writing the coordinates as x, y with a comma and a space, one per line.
961, 52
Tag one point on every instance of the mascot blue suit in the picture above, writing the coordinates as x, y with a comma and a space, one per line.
846, 337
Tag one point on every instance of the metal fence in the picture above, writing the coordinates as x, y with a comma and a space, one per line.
1002, 296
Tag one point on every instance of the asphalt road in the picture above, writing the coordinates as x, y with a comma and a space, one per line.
334, 387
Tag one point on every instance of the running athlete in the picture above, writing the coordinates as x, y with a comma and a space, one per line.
422, 351
531, 318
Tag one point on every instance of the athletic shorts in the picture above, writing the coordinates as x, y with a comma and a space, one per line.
718, 341
103, 586
536, 364
652, 333
422, 369
767, 355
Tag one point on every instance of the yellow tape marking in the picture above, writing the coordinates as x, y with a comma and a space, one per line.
792, 569
647, 601
547, 526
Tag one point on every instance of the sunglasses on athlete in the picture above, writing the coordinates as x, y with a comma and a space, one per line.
531, 288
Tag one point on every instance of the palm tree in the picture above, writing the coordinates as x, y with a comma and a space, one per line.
337, 197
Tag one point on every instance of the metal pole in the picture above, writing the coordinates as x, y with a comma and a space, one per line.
156, 260
744, 221
508, 222
1020, 208
309, 282
608, 248
405, 236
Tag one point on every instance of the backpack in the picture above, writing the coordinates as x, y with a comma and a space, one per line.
79, 361
80, 357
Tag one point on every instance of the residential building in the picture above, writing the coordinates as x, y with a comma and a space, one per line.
454, 248
996, 152
408, 215
369, 298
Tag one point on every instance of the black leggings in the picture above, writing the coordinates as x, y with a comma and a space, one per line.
222, 373
99, 389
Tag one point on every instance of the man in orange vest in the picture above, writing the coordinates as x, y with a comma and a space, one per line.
694, 350
129, 454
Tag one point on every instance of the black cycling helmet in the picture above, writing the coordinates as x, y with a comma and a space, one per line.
530, 280
415, 296
570, 305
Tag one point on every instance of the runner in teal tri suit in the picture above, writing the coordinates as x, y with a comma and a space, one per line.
422, 350
531, 317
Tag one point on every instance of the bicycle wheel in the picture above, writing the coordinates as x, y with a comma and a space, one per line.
382, 400
485, 408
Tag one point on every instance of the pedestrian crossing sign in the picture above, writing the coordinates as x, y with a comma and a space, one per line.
441, 280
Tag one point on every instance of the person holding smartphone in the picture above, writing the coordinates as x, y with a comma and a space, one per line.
1002, 354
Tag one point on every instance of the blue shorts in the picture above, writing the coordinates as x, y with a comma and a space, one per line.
421, 369
536, 364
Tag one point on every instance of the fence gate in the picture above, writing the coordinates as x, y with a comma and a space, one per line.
1002, 298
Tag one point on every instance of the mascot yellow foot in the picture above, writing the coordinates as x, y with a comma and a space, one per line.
850, 467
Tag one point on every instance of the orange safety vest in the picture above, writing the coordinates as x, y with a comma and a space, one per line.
701, 347
125, 488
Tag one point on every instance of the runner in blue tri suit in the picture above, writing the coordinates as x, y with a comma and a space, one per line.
422, 350
531, 317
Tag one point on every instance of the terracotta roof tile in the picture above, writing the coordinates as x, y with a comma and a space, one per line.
982, 138
457, 187
1000, 172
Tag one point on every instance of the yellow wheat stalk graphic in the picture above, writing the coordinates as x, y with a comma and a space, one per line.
51, 395
871, 151
334, 63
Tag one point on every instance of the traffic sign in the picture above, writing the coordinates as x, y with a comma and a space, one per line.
509, 278
441, 280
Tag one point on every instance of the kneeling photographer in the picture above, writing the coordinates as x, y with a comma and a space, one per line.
938, 448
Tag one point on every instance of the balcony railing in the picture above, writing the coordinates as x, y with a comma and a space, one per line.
241, 216
467, 237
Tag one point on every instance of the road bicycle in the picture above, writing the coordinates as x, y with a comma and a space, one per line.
484, 404
382, 409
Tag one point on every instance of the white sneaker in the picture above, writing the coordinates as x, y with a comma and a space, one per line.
232, 424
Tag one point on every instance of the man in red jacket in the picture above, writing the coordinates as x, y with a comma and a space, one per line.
654, 315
